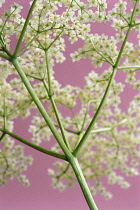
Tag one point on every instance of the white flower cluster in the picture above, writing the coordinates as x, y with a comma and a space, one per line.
114, 139
13, 162
99, 49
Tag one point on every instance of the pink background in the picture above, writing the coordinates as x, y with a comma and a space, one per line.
40, 195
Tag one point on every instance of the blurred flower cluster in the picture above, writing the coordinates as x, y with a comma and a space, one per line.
113, 146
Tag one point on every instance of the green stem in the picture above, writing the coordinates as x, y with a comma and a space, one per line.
82, 182
63, 172
70, 131
5, 114
84, 120
57, 117
128, 67
115, 68
71, 159
2, 29
54, 40
109, 128
34, 146
92, 123
56, 125
136, 24
94, 49
100, 130
5, 56
24, 48
6, 162
40, 107
33, 77
2, 136
117, 150
50, 94
48, 74
3, 46
24, 29
75, 120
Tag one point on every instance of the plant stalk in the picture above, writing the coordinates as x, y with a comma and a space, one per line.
40, 107
34, 146
24, 29
82, 182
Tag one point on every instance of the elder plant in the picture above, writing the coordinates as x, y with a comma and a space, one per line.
100, 138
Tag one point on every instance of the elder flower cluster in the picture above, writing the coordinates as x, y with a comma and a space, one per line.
114, 143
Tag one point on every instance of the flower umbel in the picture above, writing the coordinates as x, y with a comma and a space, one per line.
94, 136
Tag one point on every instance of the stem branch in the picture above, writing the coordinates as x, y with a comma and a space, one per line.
41, 149
115, 68
40, 107
24, 29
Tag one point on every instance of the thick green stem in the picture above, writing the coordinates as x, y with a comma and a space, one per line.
40, 107
82, 182
34, 146
71, 159
5, 56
